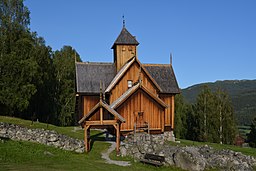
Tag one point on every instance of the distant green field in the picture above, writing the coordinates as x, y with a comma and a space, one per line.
244, 130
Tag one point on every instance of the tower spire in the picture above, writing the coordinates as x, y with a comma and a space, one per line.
123, 22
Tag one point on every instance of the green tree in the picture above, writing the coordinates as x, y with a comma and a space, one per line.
203, 110
17, 68
191, 122
225, 118
64, 64
26, 68
252, 134
214, 117
42, 104
180, 117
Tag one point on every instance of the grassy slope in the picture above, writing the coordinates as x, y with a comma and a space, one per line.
20, 155
27, 156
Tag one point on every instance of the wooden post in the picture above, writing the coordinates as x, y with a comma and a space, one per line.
162, 120
101, 115
89, 138
172, 110
86, 138
117, 138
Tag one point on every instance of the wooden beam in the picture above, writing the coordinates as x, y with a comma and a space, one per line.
115, 126
162, 120
173, 112
101, 115
104, 122
86, 139
117, 138
89, 139
88, 126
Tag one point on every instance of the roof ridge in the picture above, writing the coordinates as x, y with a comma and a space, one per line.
133, 89
125, 95
95, 63
120, 73
148, 64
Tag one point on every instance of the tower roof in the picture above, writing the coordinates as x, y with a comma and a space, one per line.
125, 38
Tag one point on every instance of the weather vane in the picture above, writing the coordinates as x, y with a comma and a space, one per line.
123, 22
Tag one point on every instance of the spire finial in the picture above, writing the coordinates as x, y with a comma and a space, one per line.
171, 58
123, 21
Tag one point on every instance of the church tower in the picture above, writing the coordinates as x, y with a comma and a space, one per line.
125, 47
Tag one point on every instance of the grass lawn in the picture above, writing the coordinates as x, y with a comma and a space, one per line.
28, 156
71, 131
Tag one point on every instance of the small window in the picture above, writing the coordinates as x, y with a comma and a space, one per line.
130, 48
129, 82
140, 113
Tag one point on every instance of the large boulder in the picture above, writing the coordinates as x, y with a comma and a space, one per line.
189, 158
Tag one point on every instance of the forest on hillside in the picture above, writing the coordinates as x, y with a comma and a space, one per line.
36, 82
242, 94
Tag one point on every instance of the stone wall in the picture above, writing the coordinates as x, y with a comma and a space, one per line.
188, 158
42, 136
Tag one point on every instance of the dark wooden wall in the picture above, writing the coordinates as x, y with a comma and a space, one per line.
88, 103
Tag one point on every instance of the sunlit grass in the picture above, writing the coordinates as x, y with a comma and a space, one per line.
28, 156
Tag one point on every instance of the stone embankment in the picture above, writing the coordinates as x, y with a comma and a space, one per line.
189, 158
42, 136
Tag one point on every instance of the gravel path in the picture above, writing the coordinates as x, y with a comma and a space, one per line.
105, 155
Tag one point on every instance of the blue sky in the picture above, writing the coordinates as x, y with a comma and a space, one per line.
210, 39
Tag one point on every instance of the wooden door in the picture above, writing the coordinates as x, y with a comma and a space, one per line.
139, 119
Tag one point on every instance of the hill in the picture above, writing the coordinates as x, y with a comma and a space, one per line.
241, 92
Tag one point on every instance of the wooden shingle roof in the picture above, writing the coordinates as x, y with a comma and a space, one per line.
164, 75
89, 76
125, 38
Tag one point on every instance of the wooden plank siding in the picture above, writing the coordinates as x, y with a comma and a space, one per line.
88, 103
133, 74
140, 102
169, 112
124, 53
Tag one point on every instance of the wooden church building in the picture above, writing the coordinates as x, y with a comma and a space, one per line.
125, 95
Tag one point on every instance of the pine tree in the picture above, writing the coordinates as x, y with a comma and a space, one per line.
42, 104
252, 134
64, 63
180, 129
